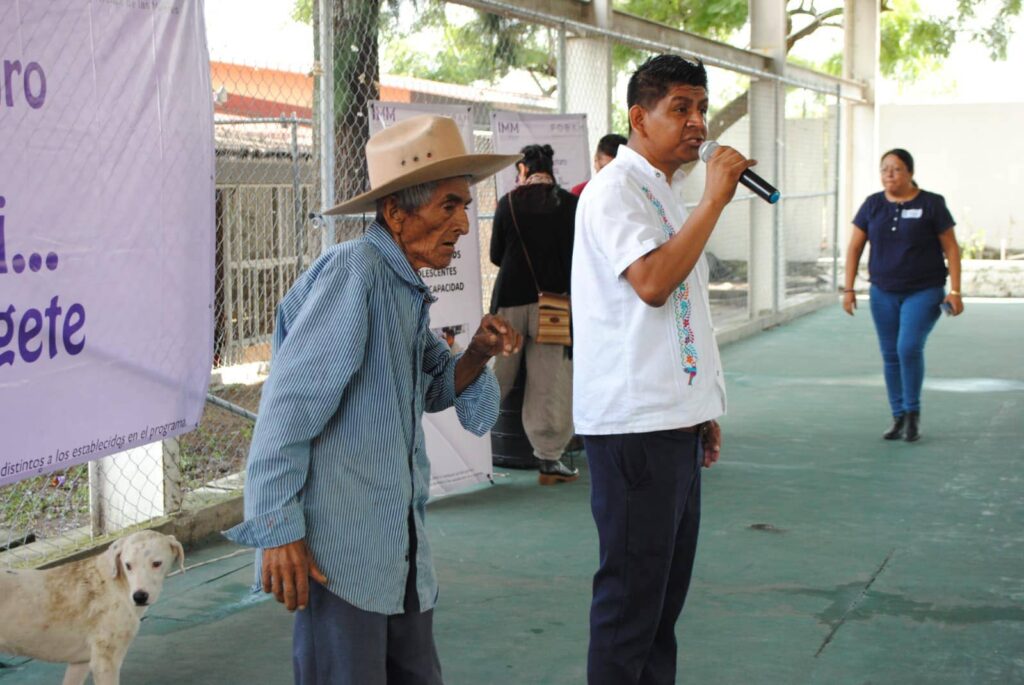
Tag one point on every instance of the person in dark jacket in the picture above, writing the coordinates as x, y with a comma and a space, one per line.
912, 240
540, 216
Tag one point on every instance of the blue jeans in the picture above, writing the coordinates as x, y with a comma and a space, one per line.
645, 497
903, 322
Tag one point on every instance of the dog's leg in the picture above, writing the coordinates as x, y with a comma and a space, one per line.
106, 671
76, 674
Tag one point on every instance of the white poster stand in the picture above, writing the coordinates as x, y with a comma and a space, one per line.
565, 133
458, 458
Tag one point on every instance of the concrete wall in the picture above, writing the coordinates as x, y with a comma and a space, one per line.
805, 169
973, 155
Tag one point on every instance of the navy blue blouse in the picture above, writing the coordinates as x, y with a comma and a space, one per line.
905, 251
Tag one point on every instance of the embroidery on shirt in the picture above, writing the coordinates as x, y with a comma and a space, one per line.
680, 301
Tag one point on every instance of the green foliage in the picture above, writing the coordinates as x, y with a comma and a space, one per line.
47, 505
717, 19
912, 41
485, 48
973, 246
303, 11
482, 49
996, 35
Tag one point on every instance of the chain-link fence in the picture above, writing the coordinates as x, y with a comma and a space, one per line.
275, 170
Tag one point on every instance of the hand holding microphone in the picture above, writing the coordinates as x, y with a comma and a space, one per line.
760, 187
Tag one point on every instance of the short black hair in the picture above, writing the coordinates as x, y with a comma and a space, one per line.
538, 159
653, 78
609, 144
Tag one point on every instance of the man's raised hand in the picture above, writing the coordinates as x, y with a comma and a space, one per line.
495, 336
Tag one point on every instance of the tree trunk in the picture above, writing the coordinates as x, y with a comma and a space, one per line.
727, 116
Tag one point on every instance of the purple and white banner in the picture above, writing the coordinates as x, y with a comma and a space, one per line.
565, 133
106, 228
457, 457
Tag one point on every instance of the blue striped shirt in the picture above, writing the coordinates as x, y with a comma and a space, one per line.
337, 455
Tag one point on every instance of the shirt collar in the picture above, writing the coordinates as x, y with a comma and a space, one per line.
380, 237
634, 160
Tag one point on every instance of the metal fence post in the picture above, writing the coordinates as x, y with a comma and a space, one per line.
779, 275
326, 69
173, 486
297, 217
836, 175
563, 94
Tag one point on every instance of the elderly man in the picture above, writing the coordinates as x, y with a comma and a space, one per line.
338, 478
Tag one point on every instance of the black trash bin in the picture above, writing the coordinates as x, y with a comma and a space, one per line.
510, 447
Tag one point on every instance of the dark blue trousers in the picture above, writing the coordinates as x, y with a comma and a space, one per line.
645, 497
903, 322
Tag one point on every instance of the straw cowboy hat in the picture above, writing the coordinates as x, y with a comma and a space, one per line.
418, 150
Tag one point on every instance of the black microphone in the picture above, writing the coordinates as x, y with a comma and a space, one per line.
760, 187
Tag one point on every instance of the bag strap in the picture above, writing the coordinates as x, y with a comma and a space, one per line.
529, 263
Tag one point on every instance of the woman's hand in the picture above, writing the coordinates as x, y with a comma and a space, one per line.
849, 301
956, 303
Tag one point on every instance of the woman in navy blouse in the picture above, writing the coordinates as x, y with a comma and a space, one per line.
912, 239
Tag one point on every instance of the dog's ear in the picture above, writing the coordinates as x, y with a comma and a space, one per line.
113, 557
179, 551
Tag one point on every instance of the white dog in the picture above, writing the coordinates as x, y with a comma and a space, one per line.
86, 613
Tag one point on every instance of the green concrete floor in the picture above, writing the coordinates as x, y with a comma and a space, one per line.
827, 555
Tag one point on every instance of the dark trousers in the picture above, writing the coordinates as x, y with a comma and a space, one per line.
903, 322
335, 643
645, 497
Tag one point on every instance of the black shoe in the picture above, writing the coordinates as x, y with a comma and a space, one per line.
895, 431
913, 433
554, 471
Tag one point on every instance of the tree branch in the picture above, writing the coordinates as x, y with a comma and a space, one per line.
818, 21
728, 115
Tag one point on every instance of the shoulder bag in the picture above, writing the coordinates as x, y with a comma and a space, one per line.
554, 310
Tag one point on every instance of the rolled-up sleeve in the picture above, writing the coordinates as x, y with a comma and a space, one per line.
476, 406
323, 347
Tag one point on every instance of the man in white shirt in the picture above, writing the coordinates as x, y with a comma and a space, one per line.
648, 381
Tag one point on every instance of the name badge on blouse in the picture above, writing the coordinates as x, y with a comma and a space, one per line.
912, 213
